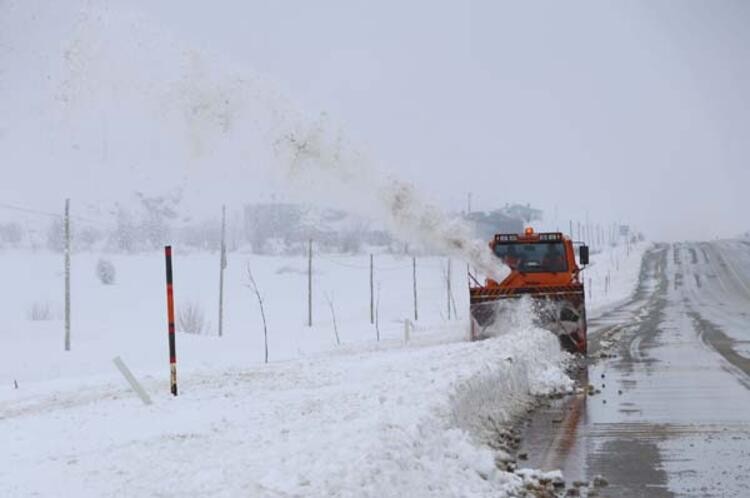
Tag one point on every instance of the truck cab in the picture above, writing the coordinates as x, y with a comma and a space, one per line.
544, 267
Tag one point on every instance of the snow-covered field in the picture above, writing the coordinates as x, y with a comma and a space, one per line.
361, 418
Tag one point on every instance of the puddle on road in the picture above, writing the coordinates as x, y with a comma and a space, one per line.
588, 441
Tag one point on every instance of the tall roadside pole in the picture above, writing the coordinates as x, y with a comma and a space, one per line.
67, 274
222, 267
170, 322
372, 293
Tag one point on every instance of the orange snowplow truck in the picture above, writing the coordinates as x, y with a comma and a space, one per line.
542, 266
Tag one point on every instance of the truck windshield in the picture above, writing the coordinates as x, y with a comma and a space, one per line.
533, 257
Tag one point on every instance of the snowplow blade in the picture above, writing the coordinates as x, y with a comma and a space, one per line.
560, 310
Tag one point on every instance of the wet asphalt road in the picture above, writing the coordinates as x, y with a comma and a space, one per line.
673, 414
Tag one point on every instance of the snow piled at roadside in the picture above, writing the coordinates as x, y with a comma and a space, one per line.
367, 419
620, 266
397, 422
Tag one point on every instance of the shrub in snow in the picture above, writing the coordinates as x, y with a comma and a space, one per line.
191, 319
40, 311
11, 233
105, 271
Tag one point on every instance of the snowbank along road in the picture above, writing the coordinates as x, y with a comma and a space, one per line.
669, 411
363, 418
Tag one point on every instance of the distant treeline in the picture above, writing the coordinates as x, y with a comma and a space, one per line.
261, 228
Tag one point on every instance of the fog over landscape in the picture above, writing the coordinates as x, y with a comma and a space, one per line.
635, 113
374, 249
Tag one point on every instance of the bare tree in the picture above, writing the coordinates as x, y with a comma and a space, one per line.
333, 315
254, 286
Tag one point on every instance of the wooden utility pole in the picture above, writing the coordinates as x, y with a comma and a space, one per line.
222, 266
67, 274
372, 292
309, 283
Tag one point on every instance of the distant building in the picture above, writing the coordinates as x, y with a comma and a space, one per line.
522, 212
486, 225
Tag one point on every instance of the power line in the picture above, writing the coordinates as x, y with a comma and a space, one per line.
38, 212
28, 210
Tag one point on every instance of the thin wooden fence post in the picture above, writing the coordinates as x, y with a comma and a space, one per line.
414, 285
448, 287
377, 316
309, 283
372, 292
222, 267
67, 274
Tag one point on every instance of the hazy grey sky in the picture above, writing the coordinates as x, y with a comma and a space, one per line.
632, 111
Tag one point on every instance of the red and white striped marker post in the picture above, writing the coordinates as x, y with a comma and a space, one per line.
170, 322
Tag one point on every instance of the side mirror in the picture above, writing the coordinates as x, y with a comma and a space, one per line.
583, 255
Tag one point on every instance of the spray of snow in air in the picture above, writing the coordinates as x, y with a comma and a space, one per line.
321, 164
192, 121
